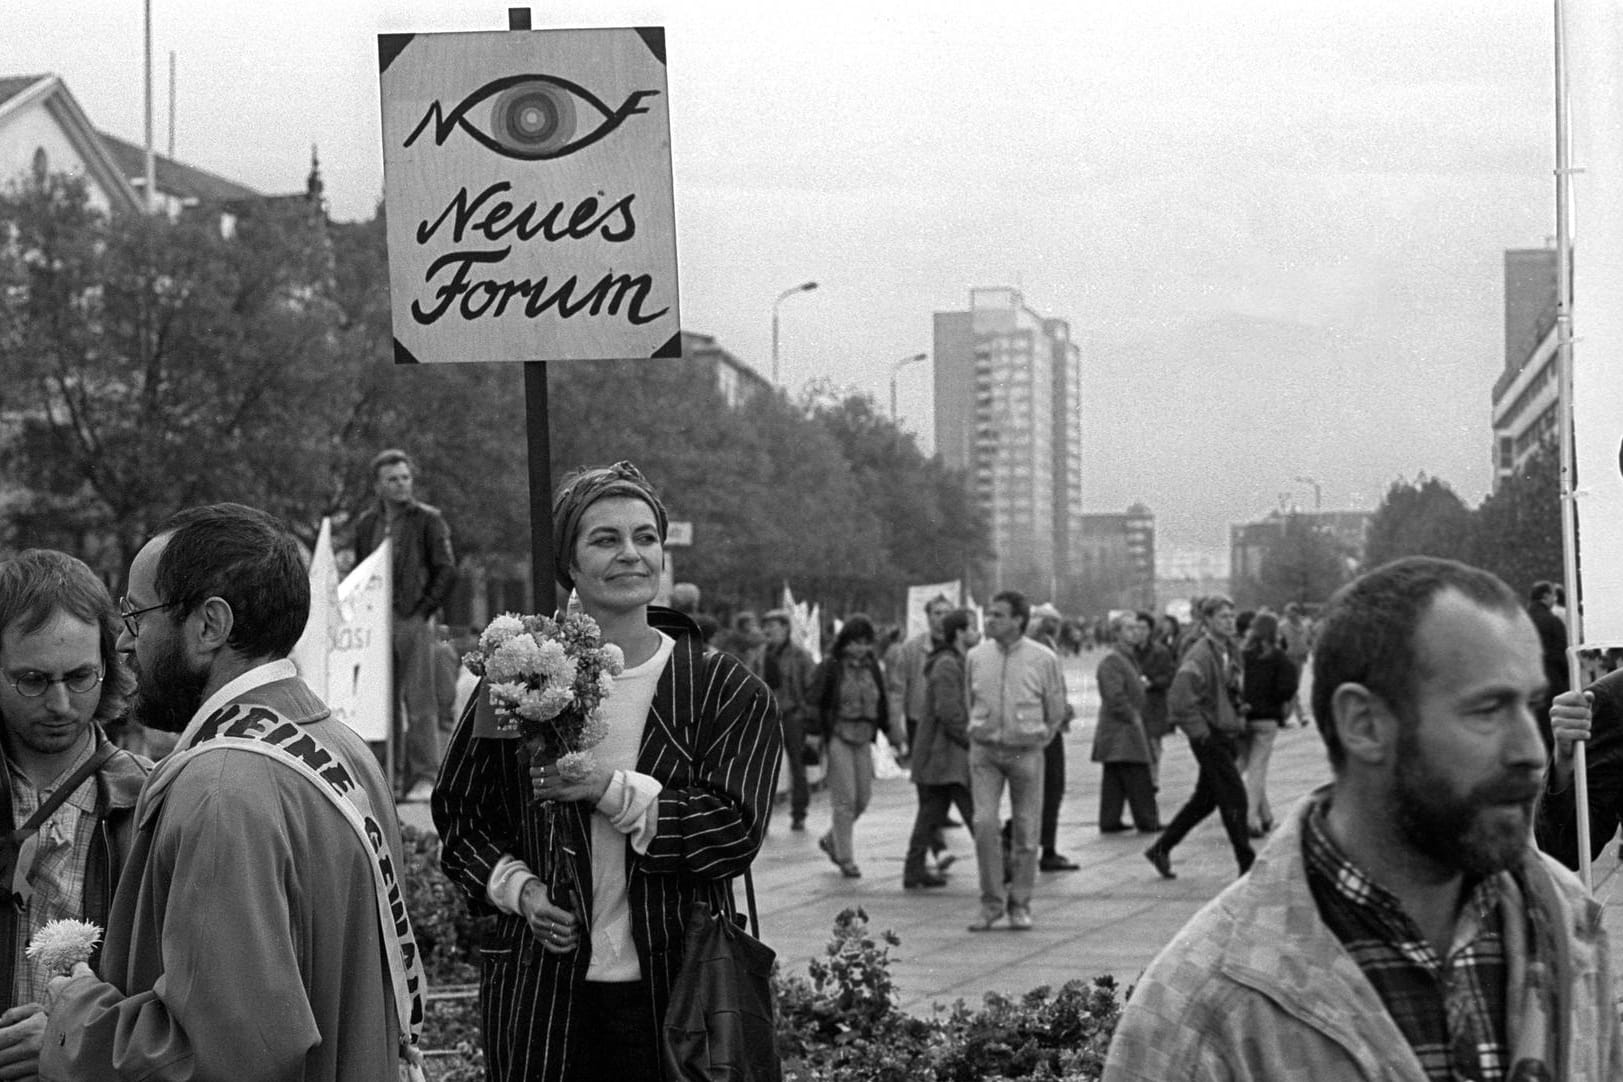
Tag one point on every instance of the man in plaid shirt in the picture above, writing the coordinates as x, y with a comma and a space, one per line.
1402, 926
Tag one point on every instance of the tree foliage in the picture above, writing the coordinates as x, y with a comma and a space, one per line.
1305, 565
155, 364
1424, 517
1517, 531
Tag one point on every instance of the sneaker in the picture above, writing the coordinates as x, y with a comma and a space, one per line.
1020, 918
1163, 864
987, 923
420, 792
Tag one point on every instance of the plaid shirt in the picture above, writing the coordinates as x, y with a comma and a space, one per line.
1452, 1010
59, 865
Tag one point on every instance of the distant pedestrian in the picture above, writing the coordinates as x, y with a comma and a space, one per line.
1205, 703
1016, 705
850, 699
940, 752
1120, 740
1552, 637
1269, 686
788, 670
1156, 666
424, 570
1045, 626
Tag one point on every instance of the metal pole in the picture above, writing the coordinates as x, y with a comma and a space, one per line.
151, 165
1563, 332
775, 340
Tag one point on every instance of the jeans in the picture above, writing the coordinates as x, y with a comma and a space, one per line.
850, 783
1053, 789
1219, 788
990, 766
417, 722
935, 801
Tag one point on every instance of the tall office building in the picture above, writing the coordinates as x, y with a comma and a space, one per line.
1008, 387
1525, 394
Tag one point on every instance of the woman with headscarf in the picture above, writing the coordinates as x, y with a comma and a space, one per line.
849, 693
675, 807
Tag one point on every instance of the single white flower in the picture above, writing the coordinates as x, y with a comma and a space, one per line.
552, 662
506, 695
62, 944
515, 659
614, 658
499, 630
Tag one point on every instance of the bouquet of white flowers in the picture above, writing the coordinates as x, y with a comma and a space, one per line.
547, 680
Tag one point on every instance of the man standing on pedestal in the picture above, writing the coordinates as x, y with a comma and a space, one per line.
424, 570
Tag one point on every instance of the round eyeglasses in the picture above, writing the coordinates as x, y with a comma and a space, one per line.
31, 685
132, 617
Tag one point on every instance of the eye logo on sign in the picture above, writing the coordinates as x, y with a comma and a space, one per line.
534, 117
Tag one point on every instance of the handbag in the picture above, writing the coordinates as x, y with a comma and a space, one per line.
721, 1022
19, 848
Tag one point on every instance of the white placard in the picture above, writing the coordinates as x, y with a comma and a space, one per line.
360, 686
919, 598
531, 207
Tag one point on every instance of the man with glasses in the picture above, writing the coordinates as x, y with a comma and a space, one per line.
60, 677
258, 931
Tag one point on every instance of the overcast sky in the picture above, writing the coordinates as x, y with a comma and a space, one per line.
1277, 228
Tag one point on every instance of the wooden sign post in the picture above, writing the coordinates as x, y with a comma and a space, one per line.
531, 211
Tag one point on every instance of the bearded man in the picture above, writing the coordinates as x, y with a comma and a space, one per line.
251, 935
1401, 926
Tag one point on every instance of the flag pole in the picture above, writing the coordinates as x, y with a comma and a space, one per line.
1563, 337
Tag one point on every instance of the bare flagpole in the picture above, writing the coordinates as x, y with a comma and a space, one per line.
1563, 333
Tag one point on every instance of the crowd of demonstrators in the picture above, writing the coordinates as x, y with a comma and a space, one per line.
237, 898
675, 806
1016, 704
1121, 740
849, 696
1400, 924
423, 569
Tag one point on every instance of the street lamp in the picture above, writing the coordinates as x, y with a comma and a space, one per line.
895, 368
803, 287
1317, 502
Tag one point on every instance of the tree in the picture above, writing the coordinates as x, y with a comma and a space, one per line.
1304, 565
1424, 517
156, 364
1518, 527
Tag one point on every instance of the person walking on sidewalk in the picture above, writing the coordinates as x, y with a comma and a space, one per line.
850, 699
1205, 703
1045, 627
941, 750
787, 669
1016, 705
1120, 742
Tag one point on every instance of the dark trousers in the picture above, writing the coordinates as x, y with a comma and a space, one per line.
1053, 791
935, 801
1129, 782
1218, 788
794, 749
616, 1034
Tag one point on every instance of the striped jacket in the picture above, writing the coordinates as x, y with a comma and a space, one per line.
1256, 987
712, 740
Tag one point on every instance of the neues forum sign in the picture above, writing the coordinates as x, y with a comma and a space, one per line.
527, 181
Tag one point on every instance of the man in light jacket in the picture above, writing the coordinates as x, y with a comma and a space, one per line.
1401, 926
1016, 704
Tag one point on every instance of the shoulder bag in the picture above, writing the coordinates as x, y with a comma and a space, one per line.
721, 1022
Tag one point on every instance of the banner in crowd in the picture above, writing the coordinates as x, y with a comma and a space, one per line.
351, 619
918, 597
1595, 49
805, 624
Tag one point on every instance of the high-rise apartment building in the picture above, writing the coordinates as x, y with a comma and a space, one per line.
1525, 394
1008, 387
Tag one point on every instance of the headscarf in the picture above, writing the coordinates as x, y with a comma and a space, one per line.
582, 489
